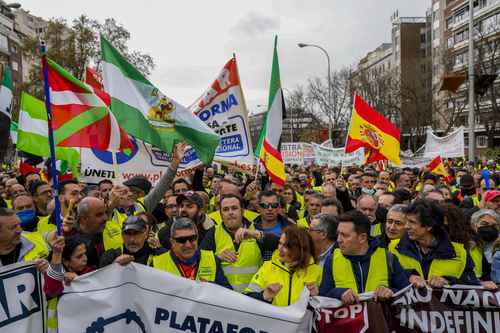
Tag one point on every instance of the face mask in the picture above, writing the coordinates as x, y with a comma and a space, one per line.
488, 234
368, 191
27, 217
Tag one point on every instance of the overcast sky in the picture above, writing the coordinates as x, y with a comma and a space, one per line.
191, 40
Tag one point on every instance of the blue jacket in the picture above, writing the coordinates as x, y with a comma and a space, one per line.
495, 267
443, 250
398, 279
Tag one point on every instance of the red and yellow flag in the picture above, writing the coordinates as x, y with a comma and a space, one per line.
437, 166
267, 148
371, 130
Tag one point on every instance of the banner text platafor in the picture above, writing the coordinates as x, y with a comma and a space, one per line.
137, 298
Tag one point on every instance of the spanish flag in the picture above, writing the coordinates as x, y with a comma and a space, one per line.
373, 131
267, 148
437, 166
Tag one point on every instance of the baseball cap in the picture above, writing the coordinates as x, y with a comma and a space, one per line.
134, 223
190, 196
139, 182
491, 195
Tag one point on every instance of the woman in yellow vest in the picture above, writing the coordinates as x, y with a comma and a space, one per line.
282, 279
69, 260
427, 253
185, 259
236, 242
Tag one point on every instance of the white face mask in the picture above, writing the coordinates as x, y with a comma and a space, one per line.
368, 191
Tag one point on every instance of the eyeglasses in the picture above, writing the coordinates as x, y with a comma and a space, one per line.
396, 222
183, 240
273, 205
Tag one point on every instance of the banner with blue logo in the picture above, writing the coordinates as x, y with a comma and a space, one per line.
144, 160
138, 298
222, 107
22, 302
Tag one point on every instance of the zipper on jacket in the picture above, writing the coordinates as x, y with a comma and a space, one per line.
362, 289
290, 289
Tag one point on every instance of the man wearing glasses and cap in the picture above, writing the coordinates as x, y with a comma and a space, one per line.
186, 260
139, 244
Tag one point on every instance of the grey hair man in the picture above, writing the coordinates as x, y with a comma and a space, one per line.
323, 231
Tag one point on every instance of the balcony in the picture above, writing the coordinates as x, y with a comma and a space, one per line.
478, 14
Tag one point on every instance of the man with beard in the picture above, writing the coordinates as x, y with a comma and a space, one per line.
139, 245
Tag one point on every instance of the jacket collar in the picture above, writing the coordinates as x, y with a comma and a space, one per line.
443, 249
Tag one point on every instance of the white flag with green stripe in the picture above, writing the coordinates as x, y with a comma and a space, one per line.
6, 91
13, 132
32, 133
146, 113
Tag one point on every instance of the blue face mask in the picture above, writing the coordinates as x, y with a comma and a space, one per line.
27, 217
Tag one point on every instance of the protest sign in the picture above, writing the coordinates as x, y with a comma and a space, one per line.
453, 309
222, 107
308, 151
137, 298
292, 153
449, 146
336, 157
144, 160
22, 303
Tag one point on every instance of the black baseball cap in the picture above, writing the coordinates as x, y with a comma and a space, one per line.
139, 182
191, 196
134, 223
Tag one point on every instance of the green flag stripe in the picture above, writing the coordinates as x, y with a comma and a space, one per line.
35, 106
7, 77
68, 76
111, 55
77, 123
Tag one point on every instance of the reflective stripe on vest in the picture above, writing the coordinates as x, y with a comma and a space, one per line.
240, 273
378, 274
52, 315
439, 267
293, 282
39, 250
206, 268
138, 209
476, 255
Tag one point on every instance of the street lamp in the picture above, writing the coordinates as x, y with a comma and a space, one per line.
330, 125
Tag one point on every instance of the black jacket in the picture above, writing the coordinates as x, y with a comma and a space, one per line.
443, 250
141, 257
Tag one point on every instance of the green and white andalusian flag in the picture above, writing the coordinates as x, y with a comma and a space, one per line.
13, 132
147, 114
6, 92
32, 133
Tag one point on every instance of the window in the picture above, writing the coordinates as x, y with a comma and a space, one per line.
449, 22
461, 36
4, 44
462, 14
450, 42
482, 141
15, 66
422, 38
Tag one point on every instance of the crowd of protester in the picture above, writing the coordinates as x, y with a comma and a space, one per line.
337, 232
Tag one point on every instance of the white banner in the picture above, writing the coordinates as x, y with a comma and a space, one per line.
143, 160
22, 302
137, 298
336, 156
449, 146
308, 153
222, 107
292, 153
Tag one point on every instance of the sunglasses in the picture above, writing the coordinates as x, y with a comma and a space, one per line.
183, 240
273, 205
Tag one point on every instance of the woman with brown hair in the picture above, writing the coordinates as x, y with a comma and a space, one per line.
282, 279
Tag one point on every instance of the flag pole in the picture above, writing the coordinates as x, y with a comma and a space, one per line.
116, 168
53, 169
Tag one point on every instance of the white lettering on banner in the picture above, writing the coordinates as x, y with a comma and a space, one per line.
138, 298
223, 109
292, 153
336, 156
22, 301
